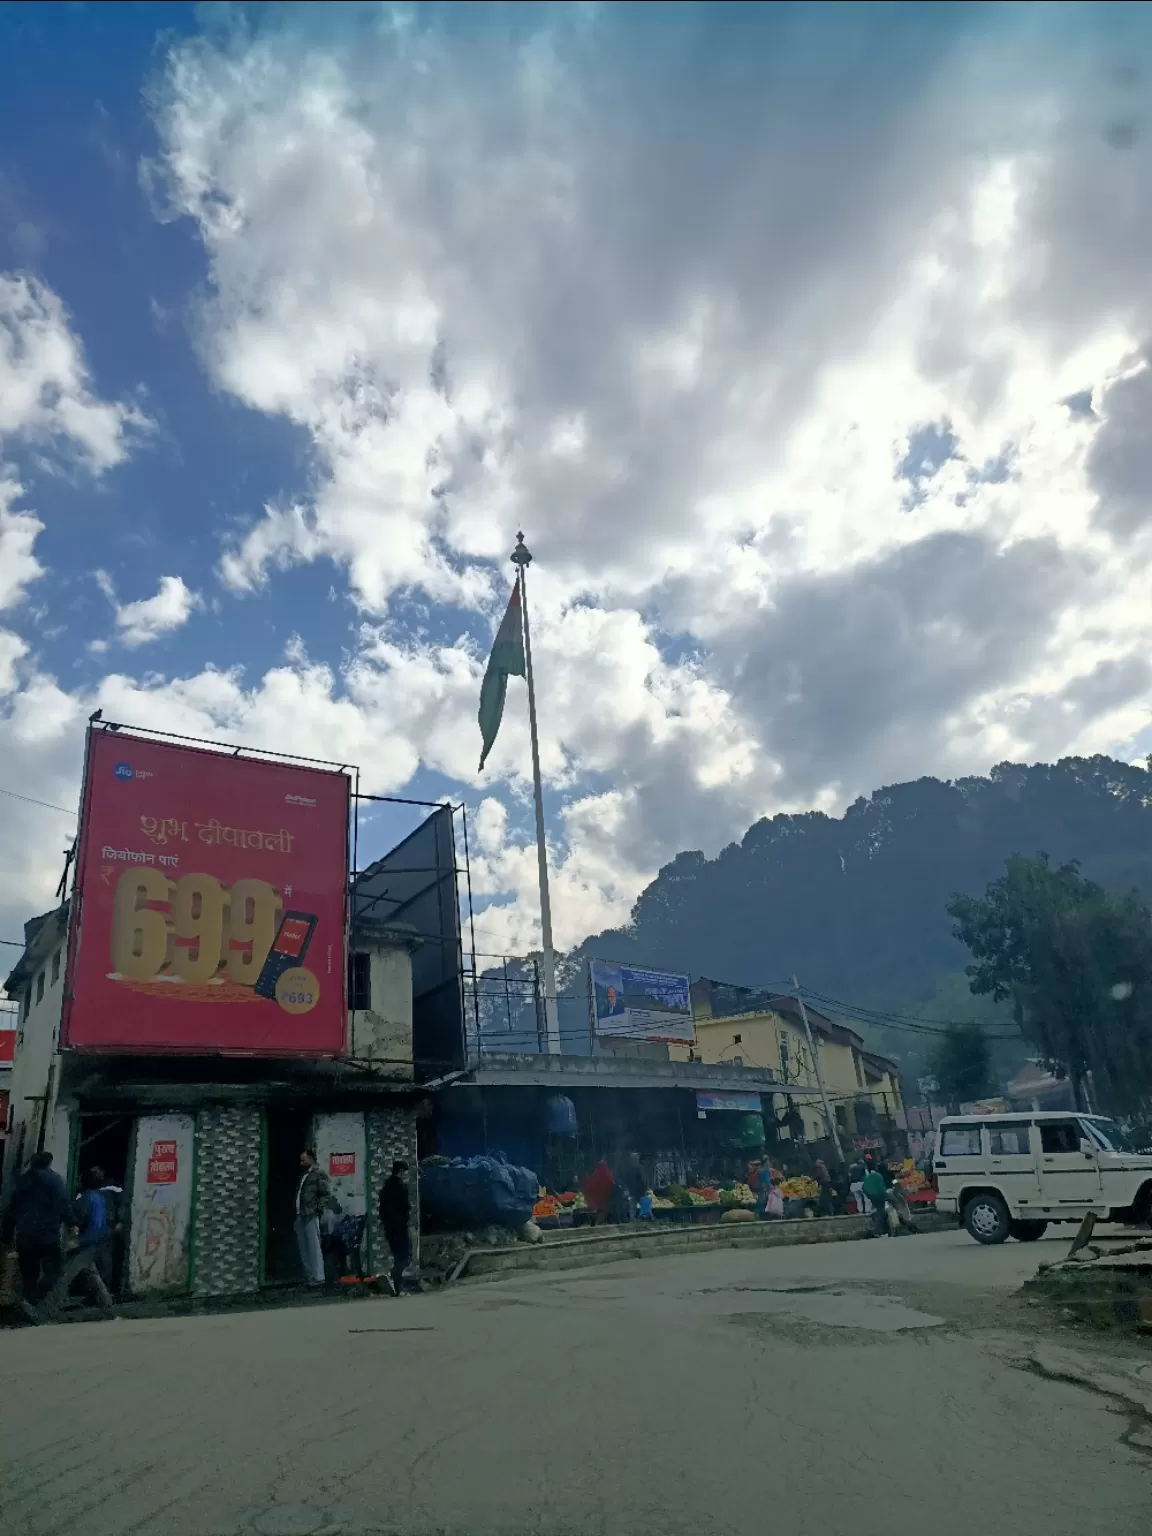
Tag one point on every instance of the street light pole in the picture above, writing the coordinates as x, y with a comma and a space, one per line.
829, 1117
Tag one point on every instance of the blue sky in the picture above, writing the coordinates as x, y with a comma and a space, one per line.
305, 310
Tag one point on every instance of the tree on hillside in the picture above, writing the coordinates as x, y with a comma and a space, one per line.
962, 1065
1075, 961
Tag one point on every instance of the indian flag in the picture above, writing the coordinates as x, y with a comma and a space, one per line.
506, 660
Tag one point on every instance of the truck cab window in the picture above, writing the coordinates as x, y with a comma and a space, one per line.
1060, 1136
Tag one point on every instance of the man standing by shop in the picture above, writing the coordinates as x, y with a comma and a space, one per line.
312, 1196
395, 1216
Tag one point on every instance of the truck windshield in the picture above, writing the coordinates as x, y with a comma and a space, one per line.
1110, 1136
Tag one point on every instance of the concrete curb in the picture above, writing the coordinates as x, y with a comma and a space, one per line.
615, 1244
1130, 1384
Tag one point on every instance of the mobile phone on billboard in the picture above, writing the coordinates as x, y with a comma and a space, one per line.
289, 948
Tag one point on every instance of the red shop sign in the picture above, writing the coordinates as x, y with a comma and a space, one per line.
162, 1163
341, 1164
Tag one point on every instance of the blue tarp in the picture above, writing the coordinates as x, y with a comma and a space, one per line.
477, 1192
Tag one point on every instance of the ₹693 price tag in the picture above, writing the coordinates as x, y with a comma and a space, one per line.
297, 990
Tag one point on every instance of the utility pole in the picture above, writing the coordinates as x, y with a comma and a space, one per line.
829, 1117
522, 559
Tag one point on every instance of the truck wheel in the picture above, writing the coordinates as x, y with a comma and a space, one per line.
1027, 1231
986, 1218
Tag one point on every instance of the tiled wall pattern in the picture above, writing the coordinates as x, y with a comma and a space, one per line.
227, 1201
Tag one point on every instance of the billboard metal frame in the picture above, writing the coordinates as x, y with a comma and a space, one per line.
398, 908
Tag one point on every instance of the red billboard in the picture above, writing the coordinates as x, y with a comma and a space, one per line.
209, 909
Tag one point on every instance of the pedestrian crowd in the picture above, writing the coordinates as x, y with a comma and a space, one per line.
56, 1242
865, 1187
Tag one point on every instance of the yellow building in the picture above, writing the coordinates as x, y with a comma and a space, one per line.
864, 1088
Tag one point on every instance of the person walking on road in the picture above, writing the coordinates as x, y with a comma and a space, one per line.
117, 1210
312, 1196
92, 1223
635, 1184
395, 1216
874, 1192
898, 1201
856, 1184
36, 1211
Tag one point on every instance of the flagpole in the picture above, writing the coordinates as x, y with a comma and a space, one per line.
522, 559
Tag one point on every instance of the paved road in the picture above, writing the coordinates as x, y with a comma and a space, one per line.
861, 1388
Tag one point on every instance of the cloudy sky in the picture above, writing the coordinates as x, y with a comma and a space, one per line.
807, 344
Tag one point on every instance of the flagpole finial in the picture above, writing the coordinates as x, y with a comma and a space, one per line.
521, 555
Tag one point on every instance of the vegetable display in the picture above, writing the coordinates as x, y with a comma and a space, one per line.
800, 1188
737, 1195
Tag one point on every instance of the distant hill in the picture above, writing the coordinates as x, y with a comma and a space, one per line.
855, 904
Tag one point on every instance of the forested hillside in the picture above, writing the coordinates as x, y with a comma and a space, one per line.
855, 904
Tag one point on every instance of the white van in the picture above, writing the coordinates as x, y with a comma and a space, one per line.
1010, 1175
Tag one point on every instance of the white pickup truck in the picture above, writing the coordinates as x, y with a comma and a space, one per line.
1010, 1175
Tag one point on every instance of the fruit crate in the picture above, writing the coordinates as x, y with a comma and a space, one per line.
920, 1196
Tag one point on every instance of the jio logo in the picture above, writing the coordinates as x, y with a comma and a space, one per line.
123, 770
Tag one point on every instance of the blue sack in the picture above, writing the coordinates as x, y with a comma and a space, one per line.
477, 1192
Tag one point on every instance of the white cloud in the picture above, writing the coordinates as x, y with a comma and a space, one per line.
285, 535
45, 391
530, 286
12, 650
521, 281
18, 531
149, 618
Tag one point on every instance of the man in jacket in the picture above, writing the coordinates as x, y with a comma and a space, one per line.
38, 1208
875, 1192
312, 1195
118, 1216
395, 1215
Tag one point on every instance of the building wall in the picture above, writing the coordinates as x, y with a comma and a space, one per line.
883, 1091
161, 1185
382, 1033
774, 1040
768, 1040
37, 1040
226, 1232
